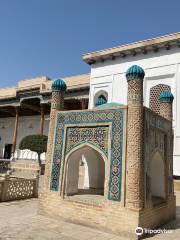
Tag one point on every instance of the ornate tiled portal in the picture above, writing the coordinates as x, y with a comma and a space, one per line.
102, 129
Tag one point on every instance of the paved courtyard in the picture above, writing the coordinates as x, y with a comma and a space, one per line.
19, 220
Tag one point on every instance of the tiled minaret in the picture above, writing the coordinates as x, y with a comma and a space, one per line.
58, 90
57, 104
166, 99
135, 166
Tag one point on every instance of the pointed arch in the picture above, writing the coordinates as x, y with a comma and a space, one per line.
101, 93
94, 175
84, 145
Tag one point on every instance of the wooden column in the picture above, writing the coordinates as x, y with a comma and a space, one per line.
41, 130
84, 103
15, 130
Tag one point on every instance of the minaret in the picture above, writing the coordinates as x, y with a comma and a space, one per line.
57, 104
166, 99
58, 90
135, 165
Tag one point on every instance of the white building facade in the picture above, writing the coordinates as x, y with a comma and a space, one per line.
160, 59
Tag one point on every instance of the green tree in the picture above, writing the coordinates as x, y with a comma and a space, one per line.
36, 143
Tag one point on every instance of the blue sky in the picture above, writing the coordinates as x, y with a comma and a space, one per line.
48, 37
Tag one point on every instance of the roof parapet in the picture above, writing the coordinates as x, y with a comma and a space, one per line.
44, 84
153, 44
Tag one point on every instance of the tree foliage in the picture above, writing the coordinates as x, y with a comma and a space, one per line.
36, 143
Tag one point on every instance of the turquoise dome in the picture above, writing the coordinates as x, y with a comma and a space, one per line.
100, 100
135, 72
59, 85
111, 105
166, 96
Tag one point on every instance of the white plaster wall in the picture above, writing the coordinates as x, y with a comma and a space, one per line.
97, 84
27, 126
160, 67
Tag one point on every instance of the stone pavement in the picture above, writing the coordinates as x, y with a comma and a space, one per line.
19, 221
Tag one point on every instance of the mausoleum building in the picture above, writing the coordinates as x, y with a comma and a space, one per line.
127, 154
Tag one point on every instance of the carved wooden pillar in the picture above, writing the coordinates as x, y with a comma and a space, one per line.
83, 103
15, 130
41, 130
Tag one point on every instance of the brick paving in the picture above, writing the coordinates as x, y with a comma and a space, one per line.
19, 221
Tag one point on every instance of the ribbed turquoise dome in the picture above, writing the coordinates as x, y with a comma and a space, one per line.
111, 105
166, 96
100, 100
135, 72
59, 85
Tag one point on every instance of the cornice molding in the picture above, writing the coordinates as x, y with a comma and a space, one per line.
132, 49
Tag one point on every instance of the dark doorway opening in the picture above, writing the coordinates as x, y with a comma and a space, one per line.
7, 151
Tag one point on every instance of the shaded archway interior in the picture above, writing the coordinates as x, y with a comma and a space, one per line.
157, 179
85, 175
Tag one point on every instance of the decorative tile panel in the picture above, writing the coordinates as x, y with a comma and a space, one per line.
73, 129
97, 136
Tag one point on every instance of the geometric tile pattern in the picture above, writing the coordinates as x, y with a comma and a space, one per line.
57, 100
73, 129
97, 136
154, 103
135, 90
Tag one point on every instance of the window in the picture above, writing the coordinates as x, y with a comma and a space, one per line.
100, 98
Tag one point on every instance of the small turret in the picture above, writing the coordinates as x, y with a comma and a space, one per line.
166, 99
58, 89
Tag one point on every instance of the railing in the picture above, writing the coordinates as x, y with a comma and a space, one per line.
28, 155
17, 188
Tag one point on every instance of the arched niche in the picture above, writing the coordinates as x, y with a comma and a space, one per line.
94, 172
157, 178
102, 94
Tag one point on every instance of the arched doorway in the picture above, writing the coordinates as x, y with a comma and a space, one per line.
157, 179
85, 172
